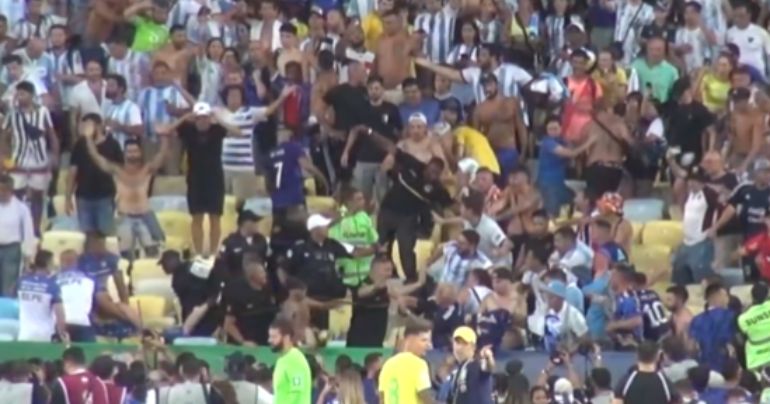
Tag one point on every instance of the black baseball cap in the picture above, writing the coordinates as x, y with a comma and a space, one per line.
169, 255
248, 216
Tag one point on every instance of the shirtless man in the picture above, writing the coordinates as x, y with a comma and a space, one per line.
418, 142
505, 307
177, 55
132, 182
104, 16
290, 51
499, 118
519, 201
746, 130
267, 29
392, 56
605, 156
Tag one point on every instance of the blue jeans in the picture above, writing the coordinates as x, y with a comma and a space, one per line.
10, 267
692, 263
554, 194
508, 159
96, 215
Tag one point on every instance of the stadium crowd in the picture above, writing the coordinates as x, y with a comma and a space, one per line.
467, 178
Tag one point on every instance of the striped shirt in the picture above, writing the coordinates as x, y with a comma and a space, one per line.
360, 8
64, 64
439, 31
555, 26
238, 152
29, 75
255, 33
201, 33
126, 113
134, 67
489, 30
185, 11
211, 81
43, 65
14, 11
461, 51
701, 49
25, 29
509, 78
631, 18
29, 137
152, 101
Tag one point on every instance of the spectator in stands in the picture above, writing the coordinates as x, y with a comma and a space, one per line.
714, 329
492, 240
104, 368
444, 313
235, 368
247, 237
645, 383
137, 221
676, 361
626, 326
537, 239
93, 189
78, 385
451, 263
699, 378
601, 380
564, 324
723, 182
571, 255
675, 301
693, 259
198, 289
17, 240
477, 287
471, 379
41, 314
19, 385
78, 291
372, 367
733, 374
574, 296
405, 377
250, 303
192, 387
656, 322
122, 116
292, 383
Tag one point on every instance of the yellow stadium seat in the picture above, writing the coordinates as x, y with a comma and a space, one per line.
662, 232
339, 320
637, 228
177, 244
310, 187
146, 268
151, 310
651, 258
230, 208
320, 204
175, 224
169, 185
58, 241
422, 249
160, 287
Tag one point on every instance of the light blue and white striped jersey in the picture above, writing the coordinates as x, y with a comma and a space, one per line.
67, 65
25, 29
461, 51
77, 295
29, 140
37, 295
134, 67
509, 80
14, 11
630, 20
360, 8
42, 66
200, 33
152, 101
489, 30
125, 112
237, 151
555, 27
439, 31
185, 10
211, 81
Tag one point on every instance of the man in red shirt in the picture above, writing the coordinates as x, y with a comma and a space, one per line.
78, 385
104, 368
758, 248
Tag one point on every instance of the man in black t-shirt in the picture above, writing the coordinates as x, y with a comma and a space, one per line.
93, 189
386, 120
690, 125
202, 134
198, 293
250, 304
645, 383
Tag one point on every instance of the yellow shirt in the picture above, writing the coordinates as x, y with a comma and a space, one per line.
372, 27
477, 147
714, 92
402, 377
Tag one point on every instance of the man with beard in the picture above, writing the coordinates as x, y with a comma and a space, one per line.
132, 181
94, 189
123, 118
292, 381
250, 303
352, 48
392, 55
176, 54
499, 118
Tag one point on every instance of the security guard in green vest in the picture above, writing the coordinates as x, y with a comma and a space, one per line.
755, 324
355, 228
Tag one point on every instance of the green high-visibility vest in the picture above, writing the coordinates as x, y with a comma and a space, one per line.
755, 323
356, 229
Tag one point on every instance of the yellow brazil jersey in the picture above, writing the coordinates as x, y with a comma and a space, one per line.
372, 27
476, 146
402, 377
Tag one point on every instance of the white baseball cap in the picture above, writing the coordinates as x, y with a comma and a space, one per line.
418, 117
317, 220
201, 109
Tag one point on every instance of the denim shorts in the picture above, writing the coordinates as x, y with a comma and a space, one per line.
96, 215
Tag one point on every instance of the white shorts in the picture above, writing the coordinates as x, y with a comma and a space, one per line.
37, 181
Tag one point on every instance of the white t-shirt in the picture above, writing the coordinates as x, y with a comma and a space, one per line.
77, 295
85, 101
753, 42
567, 320
700, 51
491, 236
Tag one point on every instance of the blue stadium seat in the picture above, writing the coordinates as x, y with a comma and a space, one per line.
9, 308
177, 203
643, 210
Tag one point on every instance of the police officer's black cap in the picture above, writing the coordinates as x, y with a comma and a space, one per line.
248, 216
169, 255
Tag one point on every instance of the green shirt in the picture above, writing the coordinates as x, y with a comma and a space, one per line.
755, 323
149, 35
291, 379
357, 230
661, 76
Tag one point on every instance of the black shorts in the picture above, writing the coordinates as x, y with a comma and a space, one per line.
601, 178
205, 198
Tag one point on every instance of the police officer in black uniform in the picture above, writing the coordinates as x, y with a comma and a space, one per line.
313, 261
245, 238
